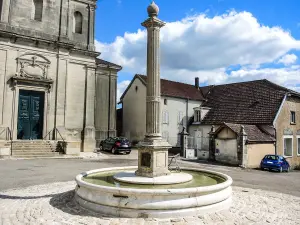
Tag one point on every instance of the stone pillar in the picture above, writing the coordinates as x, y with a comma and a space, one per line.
212, 144
89, 130
153, 153
242, 148
183, 142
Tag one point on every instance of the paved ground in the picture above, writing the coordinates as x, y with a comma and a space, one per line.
54, 204
24, 173
41, 192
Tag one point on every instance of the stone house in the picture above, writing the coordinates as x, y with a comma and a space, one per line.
178, 101
52, 85
268, 113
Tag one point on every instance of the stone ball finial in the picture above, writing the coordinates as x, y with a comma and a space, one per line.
153, 9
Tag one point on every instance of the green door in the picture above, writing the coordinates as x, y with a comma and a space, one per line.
30, 115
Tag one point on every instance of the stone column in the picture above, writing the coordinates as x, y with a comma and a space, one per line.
89, 130
153, 153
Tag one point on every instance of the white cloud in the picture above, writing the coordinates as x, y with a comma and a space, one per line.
205, 47
121, 88
288, 59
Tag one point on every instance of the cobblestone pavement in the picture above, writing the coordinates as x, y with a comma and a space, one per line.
53, 204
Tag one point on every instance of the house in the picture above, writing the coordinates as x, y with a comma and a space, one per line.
178, 101
52, 85
268, 113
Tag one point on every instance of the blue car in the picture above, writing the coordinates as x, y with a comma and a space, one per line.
275, 162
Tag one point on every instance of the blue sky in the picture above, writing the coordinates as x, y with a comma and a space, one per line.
220, 41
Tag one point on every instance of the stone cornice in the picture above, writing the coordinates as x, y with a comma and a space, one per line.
153, 22
89, 2
15, 33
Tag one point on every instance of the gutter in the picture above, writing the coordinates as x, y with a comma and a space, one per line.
276, 117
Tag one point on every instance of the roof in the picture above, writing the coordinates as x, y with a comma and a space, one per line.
173, 89
253, 102
105, 64
254, 133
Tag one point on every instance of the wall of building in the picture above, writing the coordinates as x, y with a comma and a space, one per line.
65, 100
19, 14
105, 113
201, 135
134, 111
179, 111
284, 128
226, 151
256, 152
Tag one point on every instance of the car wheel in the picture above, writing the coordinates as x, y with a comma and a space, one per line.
127, 153
288, 169
262, 168
113, 150
280, 169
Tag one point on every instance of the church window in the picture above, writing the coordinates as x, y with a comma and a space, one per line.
37, 11
78, 22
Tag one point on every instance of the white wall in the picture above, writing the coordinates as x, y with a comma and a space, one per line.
174, 107
134, 114
134, 111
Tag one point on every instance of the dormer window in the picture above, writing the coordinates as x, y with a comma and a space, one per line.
197, 114
37, 10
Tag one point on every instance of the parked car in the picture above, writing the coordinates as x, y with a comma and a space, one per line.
275, 162
116, 145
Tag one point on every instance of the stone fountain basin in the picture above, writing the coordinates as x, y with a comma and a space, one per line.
160, 203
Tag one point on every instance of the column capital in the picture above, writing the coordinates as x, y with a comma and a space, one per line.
153, 22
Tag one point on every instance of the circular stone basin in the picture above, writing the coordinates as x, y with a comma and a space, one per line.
173, 178
207, 192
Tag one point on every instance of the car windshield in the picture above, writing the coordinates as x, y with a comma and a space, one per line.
271, 157
122, 139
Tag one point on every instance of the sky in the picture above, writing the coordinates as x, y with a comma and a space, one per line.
219, 41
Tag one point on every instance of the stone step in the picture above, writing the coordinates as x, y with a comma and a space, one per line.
34, 150
35, 154
32, 146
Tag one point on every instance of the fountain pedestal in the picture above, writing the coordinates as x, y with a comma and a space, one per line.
153, 158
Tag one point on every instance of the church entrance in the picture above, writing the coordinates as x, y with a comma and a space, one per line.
30, 115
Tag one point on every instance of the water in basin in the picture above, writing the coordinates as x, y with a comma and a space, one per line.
200, 179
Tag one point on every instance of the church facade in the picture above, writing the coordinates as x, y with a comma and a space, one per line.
52, 85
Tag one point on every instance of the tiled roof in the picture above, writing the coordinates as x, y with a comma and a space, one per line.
103, 63
177, 89
253, 102
254, 133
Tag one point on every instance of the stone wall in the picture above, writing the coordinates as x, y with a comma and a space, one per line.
105, 113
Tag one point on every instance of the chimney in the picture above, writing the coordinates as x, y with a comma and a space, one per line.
197, 82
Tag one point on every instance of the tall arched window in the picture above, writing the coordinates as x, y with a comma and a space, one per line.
37, 11
78, 22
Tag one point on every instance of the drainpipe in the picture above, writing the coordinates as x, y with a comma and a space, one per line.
274, 122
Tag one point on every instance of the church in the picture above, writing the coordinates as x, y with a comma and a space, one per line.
53, 86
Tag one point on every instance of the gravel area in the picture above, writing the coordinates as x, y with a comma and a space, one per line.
53, 204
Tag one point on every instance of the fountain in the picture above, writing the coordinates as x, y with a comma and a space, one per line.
151, 190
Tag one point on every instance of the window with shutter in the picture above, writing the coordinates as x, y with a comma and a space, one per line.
165, 117
180, 118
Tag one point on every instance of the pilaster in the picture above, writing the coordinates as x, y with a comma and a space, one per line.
89, 129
